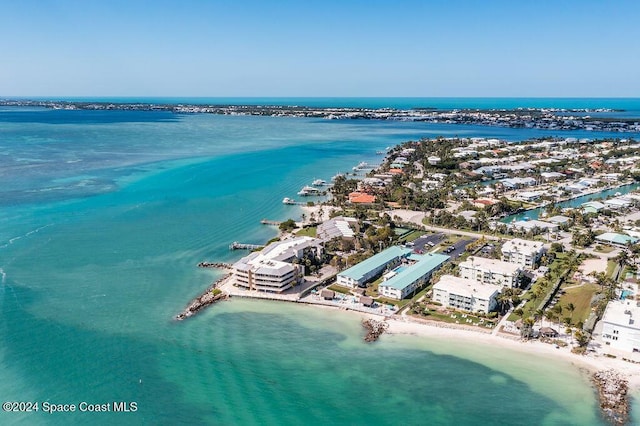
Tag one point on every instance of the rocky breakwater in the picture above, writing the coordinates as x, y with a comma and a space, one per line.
374, 329
209, 297
612, 392
219, 265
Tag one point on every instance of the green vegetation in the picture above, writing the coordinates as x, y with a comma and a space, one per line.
287, 226
339, 289
611, 267
576, 303
307, 231
216, 291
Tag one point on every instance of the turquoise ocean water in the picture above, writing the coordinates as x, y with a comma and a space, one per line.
104, 216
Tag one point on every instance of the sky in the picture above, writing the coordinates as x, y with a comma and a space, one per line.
305, 48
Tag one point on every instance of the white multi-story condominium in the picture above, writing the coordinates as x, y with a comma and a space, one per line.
525, 253
491, 271
621, 326
465, 294
271, 269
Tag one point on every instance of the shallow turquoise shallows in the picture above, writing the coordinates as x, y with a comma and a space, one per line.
103, 219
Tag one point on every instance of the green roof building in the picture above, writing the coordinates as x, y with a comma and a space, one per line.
410, 277
363, 272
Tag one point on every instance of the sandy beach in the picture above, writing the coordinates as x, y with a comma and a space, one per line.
591, 362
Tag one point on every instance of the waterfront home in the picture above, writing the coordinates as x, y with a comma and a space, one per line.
465, 294
621, 326
615, 239
407, 278
592, 206
525, 253
491, 271
270, 269
337, 227
363, 272
516, 182
528, 196
361, 198
559, 220
618, 203
531, 225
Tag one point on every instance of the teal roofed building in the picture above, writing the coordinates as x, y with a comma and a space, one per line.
408, 278
358, 275
614, 239
592, 206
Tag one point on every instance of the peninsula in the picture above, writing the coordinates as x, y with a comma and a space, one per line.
533, 241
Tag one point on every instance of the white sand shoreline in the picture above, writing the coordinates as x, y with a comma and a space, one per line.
405, 325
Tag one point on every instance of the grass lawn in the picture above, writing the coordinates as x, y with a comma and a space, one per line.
339, 289
603, 249
458, 318
581, 299
411, 236
398, 303
309, 231
611, 266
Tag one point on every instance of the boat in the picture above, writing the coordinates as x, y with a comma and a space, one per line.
319, 182
308, 190
287, 200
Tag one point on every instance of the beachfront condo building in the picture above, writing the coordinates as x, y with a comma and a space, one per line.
491, 271
621, 326
271, 269
465, 294
363, 272
411, 276
525, 253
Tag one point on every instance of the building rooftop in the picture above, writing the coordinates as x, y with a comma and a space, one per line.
612, 237
493, 265
411, 273
466, 288
623, 312
357, 272
522, 246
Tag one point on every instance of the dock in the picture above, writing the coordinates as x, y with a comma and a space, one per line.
270, 222
242, 246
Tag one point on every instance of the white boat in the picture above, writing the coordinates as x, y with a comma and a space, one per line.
308, 190
319, 182
287, 200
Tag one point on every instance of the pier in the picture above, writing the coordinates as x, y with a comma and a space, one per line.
242, 246
270, 222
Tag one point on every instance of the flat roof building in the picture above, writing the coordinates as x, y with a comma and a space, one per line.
411, 276
270, 269
360, 274
614, 239
525, 253
465, 294
491, 271
621, 325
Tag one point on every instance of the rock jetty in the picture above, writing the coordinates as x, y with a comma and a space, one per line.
612, 392
374, 329
210, 296
220, 265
